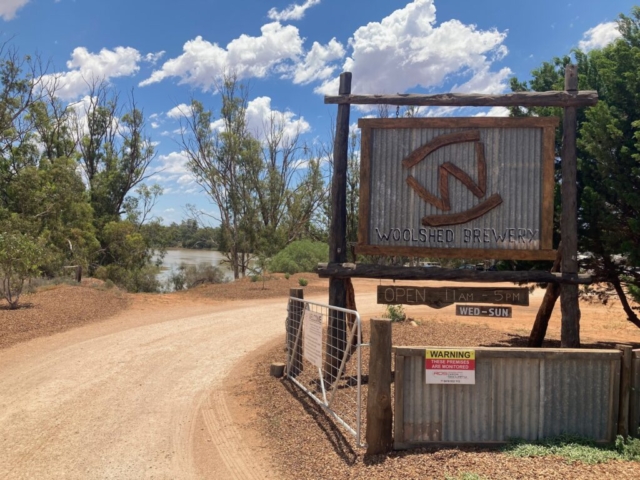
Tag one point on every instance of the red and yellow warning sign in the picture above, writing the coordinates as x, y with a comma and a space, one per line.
455, 366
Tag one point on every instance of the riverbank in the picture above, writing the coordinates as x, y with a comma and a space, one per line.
57, 308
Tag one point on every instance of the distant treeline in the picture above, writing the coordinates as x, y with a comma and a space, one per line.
187, 234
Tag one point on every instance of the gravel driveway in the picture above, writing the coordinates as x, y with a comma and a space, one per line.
123, 398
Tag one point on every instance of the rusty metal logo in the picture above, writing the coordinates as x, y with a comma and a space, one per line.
448, 169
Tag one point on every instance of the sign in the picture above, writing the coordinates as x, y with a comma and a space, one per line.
482, 311
451, 366
439, 297
312, 339
457, 187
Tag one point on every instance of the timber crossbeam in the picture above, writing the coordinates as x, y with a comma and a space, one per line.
350, 270
585, 98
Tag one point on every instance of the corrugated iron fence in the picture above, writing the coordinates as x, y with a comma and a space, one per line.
634, 414
519, 393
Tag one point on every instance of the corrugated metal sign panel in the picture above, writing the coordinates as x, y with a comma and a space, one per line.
513, 397
634, 416
397, 214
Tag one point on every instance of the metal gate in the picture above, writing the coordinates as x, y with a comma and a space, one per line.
330, 373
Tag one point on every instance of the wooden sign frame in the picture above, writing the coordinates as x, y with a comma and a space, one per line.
548, 126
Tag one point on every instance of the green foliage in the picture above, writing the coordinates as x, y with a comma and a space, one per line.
254, 278
395, 313
128, 258
190, 276
303, 282
141, 279
300, 256
19, 256
287, 276
608, 152
188, 234
574, 448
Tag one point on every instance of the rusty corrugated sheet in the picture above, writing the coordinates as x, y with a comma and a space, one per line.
514, 163
634, 417
514, 397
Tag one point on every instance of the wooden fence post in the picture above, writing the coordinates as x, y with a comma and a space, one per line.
337, 340
570, 330
294, 323
379, 413
625, 390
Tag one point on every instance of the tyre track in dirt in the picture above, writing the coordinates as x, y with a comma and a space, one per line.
125, 402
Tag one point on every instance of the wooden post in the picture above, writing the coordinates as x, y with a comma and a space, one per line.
625, 390
338, 232
379, 413
294, 323
570, 331
539, 330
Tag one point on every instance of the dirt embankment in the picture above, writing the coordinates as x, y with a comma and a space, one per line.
58, 308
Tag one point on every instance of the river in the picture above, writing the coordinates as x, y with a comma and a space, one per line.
176, 256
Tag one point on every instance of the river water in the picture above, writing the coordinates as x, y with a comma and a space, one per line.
176, 256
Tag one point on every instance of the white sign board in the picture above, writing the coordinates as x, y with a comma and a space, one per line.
451, 367
312, 340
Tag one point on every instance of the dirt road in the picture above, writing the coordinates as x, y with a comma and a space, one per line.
142, 395
123, 398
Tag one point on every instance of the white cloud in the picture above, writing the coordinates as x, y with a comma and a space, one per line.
407, 49
316, 65
484, 81
179, 111
494, 112
86, 67
153, 58
176, 174
173, 168
203, 63
8, 8
599, 36
292, 12
259, 116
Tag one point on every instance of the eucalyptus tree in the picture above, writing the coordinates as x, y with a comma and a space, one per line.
264, 191
113, 149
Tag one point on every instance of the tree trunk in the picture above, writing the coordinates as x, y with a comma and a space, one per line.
539, 330
631, 315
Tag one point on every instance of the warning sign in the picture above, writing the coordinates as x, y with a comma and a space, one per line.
312, 339
451, 366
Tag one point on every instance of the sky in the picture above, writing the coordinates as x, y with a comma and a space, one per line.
291, 54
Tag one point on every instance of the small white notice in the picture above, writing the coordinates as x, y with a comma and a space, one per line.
312, 340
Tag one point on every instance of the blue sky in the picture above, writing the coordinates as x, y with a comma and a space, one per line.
292, 53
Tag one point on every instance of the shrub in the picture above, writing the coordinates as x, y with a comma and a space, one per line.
287, 276
143, 279
395, 313
189, 276
19, 256
254, 278
300, 256
303, 282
